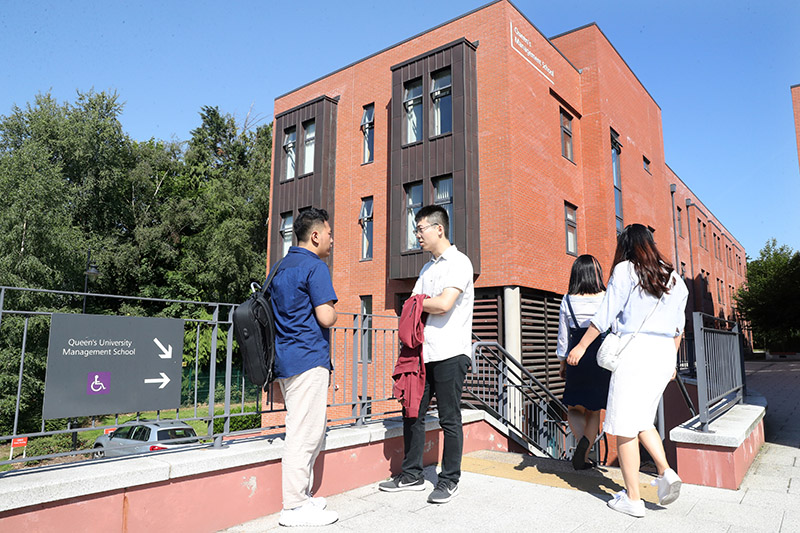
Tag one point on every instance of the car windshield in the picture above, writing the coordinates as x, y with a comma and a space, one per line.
175, 433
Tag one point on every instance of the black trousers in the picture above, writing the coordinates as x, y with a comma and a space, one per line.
445, 381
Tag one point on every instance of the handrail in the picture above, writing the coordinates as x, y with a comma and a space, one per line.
509, 358
519, 400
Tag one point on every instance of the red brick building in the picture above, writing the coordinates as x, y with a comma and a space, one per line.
541, 150
796, 106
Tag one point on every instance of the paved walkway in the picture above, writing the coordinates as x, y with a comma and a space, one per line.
508, 492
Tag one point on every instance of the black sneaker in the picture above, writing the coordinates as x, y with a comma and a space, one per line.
402, 482
444, 492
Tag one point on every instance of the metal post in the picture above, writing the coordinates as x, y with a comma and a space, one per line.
212, 377
21, 367
700, 356
365, 351
354, 371
228, 372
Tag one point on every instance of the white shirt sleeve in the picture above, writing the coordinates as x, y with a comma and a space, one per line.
617, 294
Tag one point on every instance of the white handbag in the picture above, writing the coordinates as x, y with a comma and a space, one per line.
608, 355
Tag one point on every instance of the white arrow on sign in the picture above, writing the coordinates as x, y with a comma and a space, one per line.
164, 379
166, 353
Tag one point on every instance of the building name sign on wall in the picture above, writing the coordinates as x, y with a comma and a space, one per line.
522, 45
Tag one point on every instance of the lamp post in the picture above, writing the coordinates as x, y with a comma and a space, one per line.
92, 273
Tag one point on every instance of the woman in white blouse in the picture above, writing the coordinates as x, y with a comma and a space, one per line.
645, 292
586, 387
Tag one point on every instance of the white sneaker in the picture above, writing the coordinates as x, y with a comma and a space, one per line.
623, 504
319, 502
669, 486
307, 514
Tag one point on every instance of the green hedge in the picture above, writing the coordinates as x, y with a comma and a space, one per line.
238, 423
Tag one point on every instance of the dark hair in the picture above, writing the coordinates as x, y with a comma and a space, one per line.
435, 214
636, 244
586, 276
306, 220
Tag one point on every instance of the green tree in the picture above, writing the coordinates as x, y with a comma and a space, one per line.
163, 220
769, 298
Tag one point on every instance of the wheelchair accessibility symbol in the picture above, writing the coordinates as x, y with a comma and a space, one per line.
98, 382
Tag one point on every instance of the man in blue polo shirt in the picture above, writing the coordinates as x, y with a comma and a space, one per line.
303, 302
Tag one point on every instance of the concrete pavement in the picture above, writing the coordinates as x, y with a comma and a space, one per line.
509, 492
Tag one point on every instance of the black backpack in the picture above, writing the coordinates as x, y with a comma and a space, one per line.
254, 329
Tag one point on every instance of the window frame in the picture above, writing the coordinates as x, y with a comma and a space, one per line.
438, 95
413, 102
365, 220
446, 203
567, 145
411, 209
285, 228
309, 141
571, 224
368, 133
616, 169
289, 153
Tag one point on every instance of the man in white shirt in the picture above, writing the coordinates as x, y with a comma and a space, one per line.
447, 281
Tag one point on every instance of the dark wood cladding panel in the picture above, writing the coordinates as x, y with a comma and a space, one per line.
315, 189
452, 154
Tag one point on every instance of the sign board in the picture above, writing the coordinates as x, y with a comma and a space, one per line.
19, 442
112, 364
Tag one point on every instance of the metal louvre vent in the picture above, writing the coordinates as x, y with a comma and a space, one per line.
539, 339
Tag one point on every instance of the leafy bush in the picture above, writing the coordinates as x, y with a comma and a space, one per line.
238, 423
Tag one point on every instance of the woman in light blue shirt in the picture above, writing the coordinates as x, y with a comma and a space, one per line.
643, 292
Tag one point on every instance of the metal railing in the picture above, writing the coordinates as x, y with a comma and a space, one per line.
720, 366
363, 353
507, 390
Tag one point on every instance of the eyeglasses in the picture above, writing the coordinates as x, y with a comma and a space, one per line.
418, 230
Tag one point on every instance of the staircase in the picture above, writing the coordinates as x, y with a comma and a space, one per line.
535, 417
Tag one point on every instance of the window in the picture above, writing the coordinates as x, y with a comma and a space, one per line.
368, 129
413, 204
366, 331
289, 141
286, 231
679, 221
443, 196
716, 245
646, 164
699, 232
566, 135
720, 291
571, 225
412, 102
683, 270
616, 151
309, 130
365, 220
442, 102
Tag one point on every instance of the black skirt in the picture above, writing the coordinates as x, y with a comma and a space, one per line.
587, 383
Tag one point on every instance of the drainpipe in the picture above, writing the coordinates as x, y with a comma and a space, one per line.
672, 189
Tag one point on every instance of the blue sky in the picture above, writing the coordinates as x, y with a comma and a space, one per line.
721, 72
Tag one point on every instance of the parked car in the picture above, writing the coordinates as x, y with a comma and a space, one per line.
144, 436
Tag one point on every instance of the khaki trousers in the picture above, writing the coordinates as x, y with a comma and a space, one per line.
306, 399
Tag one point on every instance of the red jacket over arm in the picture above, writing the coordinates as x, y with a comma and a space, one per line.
409, 371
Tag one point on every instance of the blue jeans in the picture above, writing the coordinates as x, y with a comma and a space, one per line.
445, 380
